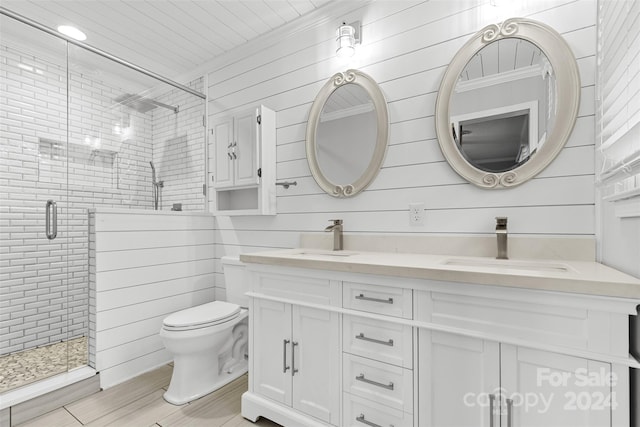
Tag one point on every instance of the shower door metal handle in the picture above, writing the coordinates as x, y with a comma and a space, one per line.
50, 217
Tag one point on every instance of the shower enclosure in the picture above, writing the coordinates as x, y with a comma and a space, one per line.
78, 130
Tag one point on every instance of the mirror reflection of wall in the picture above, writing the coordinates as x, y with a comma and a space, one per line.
495, 143
503, 106
346, 135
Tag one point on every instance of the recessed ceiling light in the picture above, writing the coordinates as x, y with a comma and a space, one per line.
72, 32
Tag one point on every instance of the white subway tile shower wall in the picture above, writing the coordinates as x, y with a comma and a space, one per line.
179, 150
44, 293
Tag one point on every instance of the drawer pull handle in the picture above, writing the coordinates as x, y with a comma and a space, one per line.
361, 336
362, 378
509, 412
294, 370
285, 368
492, 399
384, 301
363, 420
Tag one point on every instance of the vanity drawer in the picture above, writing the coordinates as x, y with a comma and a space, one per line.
384, 341
379, 382
359, 412
385, 300
298, 288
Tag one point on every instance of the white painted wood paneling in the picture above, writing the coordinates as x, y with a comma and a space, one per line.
618, 134
406, 49
146, 266
168, 37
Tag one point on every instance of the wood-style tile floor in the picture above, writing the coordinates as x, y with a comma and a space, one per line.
139, 403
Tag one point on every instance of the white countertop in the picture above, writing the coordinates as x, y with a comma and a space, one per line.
582, 277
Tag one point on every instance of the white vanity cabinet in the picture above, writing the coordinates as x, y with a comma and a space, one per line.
457, 375
547, 389
485, 383
378, 355
242, 163
297, 348
532, 356
350, 348
294, 350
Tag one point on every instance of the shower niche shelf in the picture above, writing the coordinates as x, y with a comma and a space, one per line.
242, 163
76, 153
92, 168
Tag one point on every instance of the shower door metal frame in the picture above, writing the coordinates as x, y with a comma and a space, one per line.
28, 21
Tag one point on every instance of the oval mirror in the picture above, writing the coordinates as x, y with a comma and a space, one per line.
347, 133
507, 103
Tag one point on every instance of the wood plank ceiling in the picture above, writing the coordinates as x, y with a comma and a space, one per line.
169, 37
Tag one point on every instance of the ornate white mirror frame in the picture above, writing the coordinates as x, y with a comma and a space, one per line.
567, 92
338, 80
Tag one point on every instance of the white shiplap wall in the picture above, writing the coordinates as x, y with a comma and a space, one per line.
406, 48
618, 134
144, 266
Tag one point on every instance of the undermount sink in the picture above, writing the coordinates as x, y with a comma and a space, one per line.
320, 252
507, 264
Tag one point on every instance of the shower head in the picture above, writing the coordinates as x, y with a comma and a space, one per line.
141, 104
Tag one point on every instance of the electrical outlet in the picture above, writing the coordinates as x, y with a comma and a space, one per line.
416, 213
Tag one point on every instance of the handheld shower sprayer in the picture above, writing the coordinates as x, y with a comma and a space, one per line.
153, 172
156, 186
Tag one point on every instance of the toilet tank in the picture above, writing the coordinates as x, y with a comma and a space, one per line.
235, 280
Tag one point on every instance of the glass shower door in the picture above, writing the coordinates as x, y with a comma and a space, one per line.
35, 243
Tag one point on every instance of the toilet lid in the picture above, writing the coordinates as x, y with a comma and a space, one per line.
206, 314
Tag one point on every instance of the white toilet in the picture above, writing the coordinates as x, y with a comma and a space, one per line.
208, 342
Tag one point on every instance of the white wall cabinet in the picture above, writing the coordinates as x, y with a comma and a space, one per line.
242, 163
408, 352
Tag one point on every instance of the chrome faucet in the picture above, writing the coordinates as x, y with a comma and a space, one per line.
337, 233
501, 234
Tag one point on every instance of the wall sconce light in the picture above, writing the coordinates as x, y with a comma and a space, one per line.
348, 35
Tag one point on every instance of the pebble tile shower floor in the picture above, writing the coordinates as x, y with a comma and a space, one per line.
18, 369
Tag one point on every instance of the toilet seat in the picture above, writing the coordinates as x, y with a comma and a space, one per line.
202, 316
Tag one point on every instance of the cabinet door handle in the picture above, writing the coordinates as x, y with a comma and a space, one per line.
229, 150
509, 412
293, 358
51, 232
361, 336
384, 301
363, 420
362, 378
284, 355
492, 399
233, 150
